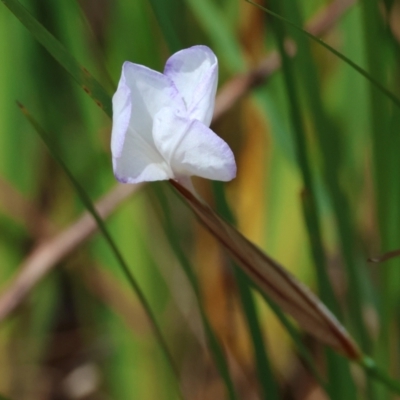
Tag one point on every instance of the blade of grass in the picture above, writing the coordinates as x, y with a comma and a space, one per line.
375, 372
213, 342
81, 75
96, 48
274, 280
347, 60
329, 148
110, 241
367, 363
327, 140
38, 322
162, 12
311, 214
385, 160
214, 23
262, 362
294, 334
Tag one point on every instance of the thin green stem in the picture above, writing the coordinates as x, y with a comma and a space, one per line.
378, 374
264, 370
162, 14
383, 157
347, 60
213, 342
304, 353
327, 139
310, 209
81, 75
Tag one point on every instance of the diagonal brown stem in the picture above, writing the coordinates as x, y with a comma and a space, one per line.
47, 254
274, 280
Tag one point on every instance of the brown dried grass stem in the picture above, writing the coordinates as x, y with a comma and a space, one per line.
48, 253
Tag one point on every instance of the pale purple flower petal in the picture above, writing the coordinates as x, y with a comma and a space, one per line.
138, 162
150, 91
122, 108
141, 93
194, 72
191, 148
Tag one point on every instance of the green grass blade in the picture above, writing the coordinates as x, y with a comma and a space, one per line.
347, 60
310, 210
309, 202
262, 362
374, 372
340, 376
294, 334
162, 11
110, 241
367, 363
385, 161
81, 75
214, 23
212, 340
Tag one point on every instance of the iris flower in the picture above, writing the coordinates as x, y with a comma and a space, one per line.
161, 122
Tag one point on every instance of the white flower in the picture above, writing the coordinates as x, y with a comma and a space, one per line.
161, 121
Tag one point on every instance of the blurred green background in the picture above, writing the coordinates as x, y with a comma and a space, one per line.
317, 149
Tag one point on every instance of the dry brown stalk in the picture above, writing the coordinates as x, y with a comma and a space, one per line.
274, 280
47, 254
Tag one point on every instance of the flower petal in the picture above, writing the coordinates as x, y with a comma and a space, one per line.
139, 162
141, 93
194, 72
121, 116
150, 91
191, 148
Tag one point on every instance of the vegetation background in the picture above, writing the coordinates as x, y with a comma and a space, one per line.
317, 148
